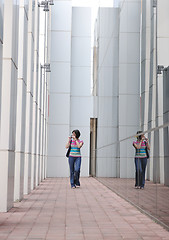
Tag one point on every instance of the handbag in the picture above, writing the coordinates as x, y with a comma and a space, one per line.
68, 151
147, 152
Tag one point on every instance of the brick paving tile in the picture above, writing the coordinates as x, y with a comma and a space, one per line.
54, 211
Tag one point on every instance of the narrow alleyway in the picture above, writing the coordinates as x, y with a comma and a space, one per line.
54, 211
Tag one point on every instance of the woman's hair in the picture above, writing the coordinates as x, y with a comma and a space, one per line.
77, 132
139, 137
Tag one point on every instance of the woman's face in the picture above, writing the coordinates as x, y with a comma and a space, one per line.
142, 136
74, 134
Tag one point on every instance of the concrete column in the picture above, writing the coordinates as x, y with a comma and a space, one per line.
145, 69
162, 59
129, 79
35, 102
45, 120
80, 95
59, 96
42, 126
39, 94
28, 171
44, 97
152, 88
21, 103
1, 45
145, 63
107, 86
8, 103
38, 179
166, 130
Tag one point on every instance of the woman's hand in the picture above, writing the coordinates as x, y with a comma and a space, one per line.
69, 139
74, 138
68, 143
147, 143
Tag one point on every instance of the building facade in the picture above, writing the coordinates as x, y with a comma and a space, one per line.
23, 115
142, 40
70, 104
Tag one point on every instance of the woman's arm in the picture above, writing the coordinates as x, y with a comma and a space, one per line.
68, 143
79, 145
147, 144
137, 146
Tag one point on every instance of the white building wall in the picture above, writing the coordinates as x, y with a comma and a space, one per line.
59, 90
145, 62
166, 130
162, 59
129, 104
69, 91
39, 94
152, 88
29, 100
8, 101
21, 103
81, 101
108, 74
35, 98
158, 56
1, 43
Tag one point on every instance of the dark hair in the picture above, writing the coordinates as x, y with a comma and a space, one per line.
139, 137
77, 132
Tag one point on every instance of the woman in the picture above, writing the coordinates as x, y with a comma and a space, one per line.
140, 159
74, 158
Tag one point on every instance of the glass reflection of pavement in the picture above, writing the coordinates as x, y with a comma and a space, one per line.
153, 200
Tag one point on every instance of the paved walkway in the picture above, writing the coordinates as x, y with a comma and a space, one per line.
54, 211
154, 199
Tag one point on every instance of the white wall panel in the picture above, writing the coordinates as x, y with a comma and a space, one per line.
21, 100
59, 89
129, 101
60, 75
81, 51
107, 92
163, 49
129, 73
85, 166
80, 85
58, 166
9, 63
81, 101
1, 40
61, 16
0, 67
58, 137
111, 58
57, 106
82, 26
163, 7
1, 19
81, 111
105, 85
108, 114
133, 16
60, 45
80, 107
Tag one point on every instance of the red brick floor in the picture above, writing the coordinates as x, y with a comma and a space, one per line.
154, 199
54, 211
